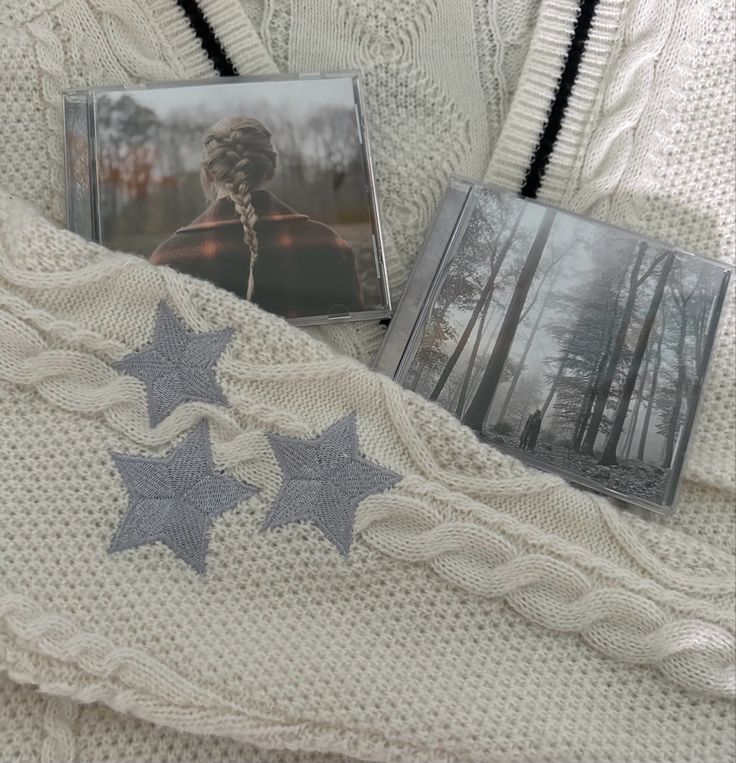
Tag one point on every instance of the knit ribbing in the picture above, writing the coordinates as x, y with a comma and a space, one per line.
238, 37
558, 107
482, 604
624, 99
529, 110
587, 91
209, 40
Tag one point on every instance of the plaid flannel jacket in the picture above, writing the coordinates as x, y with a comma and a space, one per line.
303, 268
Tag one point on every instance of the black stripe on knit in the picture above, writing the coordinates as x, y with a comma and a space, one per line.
551, 130
207, 38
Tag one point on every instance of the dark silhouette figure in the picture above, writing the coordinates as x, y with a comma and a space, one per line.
531, 431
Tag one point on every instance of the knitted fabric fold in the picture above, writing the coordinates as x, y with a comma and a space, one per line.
426, 598
390, 653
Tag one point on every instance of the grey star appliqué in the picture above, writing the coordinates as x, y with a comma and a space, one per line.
178, 366
174, 499
325, 479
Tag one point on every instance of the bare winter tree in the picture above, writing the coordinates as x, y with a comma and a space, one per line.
125, 159
553, 266
431, 354
585, 335
463, 393
479, 406
652, 387
497, 257
553, 386
479, 356
609, 456
603, 386
682, 295
643, 377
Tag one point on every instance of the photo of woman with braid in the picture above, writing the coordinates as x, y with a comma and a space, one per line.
260, 187
251, 243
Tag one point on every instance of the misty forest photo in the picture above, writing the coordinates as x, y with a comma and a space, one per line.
576, 346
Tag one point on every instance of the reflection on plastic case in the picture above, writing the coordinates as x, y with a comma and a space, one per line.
261, 185
580, 348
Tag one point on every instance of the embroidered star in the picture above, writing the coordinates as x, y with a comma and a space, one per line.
174, 499
178, 366
325, 479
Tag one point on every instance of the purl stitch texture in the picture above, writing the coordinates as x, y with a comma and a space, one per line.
482, 604
459, 521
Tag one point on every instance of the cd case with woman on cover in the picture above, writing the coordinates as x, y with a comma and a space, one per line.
580, 348
263, 186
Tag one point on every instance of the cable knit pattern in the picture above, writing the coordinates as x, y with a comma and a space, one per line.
32, 725
433, 111
625, 96
482, 603
468, 523
58, 747
539, 79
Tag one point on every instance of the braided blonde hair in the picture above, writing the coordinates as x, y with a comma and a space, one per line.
238, 158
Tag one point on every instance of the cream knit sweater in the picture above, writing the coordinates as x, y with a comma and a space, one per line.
486, 612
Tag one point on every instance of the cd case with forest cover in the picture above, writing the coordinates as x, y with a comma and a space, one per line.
578, 347
262, 185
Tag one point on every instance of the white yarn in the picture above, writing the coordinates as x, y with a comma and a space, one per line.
483, 604
461, 527
58, 746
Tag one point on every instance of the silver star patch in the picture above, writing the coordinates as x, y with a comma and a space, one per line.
178, 366
174, 499
325, 479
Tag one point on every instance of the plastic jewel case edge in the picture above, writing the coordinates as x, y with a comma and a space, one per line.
82, 188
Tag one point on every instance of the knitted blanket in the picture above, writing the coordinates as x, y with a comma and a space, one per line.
222, 538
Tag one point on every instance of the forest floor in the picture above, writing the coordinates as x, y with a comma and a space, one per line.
630, 477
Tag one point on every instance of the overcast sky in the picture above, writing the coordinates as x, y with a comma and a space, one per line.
299, 97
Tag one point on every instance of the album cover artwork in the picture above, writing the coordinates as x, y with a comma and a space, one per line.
262, 186
578, 347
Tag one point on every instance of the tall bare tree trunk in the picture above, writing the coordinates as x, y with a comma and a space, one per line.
608, 457
679, 390
604, 386
471, 363
701, 356
522, 360
479, 406
553, 387
639, 395
587, 407
483, 352
652, 391
485, 297
704, 351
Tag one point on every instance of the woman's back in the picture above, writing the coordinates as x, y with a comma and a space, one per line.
303, 267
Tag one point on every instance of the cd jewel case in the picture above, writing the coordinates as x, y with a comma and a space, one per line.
580, 348
262, 185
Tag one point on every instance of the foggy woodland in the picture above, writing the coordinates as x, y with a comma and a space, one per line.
580, 346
